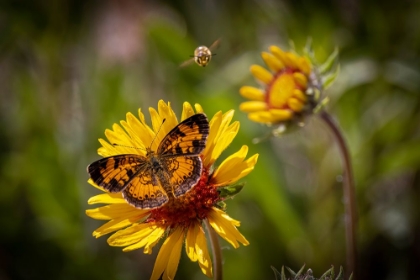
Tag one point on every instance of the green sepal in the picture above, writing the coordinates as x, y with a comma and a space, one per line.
308, 50
294, 274
340, 274
283, 276
329, 273
230, 191
277, 274
321, 105
221, 205
329, 63
328, 80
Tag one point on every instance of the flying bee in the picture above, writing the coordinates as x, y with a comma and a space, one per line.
202, 55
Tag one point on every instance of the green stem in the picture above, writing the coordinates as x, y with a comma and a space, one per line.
217, 254
349, 195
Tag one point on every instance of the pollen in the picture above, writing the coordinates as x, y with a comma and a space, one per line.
194, 205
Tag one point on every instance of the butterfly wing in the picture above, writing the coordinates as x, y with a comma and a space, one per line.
128, 174
187, 138
185, 173
180, 152
115, 172
144, 192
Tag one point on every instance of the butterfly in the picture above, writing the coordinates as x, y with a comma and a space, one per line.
147, 182
202, 55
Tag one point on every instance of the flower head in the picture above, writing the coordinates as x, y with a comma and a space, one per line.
180, 219
290, 90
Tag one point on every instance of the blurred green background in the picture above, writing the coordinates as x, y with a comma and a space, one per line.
70, 69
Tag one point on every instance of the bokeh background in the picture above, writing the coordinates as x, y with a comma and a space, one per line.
70, 69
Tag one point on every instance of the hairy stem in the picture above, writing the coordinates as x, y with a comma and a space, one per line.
349, 195
217, 254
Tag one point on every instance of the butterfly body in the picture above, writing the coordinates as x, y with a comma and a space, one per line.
149, 181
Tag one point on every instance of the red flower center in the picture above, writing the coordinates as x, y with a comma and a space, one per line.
192, 206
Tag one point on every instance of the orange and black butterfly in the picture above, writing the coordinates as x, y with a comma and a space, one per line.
147, 182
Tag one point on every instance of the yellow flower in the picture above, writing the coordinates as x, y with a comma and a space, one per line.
181, 219
290, 89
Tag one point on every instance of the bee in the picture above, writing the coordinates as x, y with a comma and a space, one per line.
202, 55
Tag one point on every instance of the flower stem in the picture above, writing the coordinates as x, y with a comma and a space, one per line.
217, 254
349, 195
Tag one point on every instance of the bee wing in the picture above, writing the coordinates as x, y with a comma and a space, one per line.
215, 44
187, 62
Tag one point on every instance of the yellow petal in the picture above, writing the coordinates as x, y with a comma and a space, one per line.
295, 104
224, 137
137, 234
144, 134
198, 108
234, 168
159, 128
196, 247
280, 54
166, 112
215, 123
300, 95
225, 226
252, 93
107, 198
261, 117
148, 243
292, 61
231, 161
141, 117
304, 65
112, 211
118, 136
281, 114
253, 106
90, 181
261, 74
220, 136
272, 62
190, 241
117, 224
301, 79
288, 59
168, 257
107, 149
137, 146
203, 254
187, 111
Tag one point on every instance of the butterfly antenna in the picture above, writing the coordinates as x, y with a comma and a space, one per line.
126, 146
157, 132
